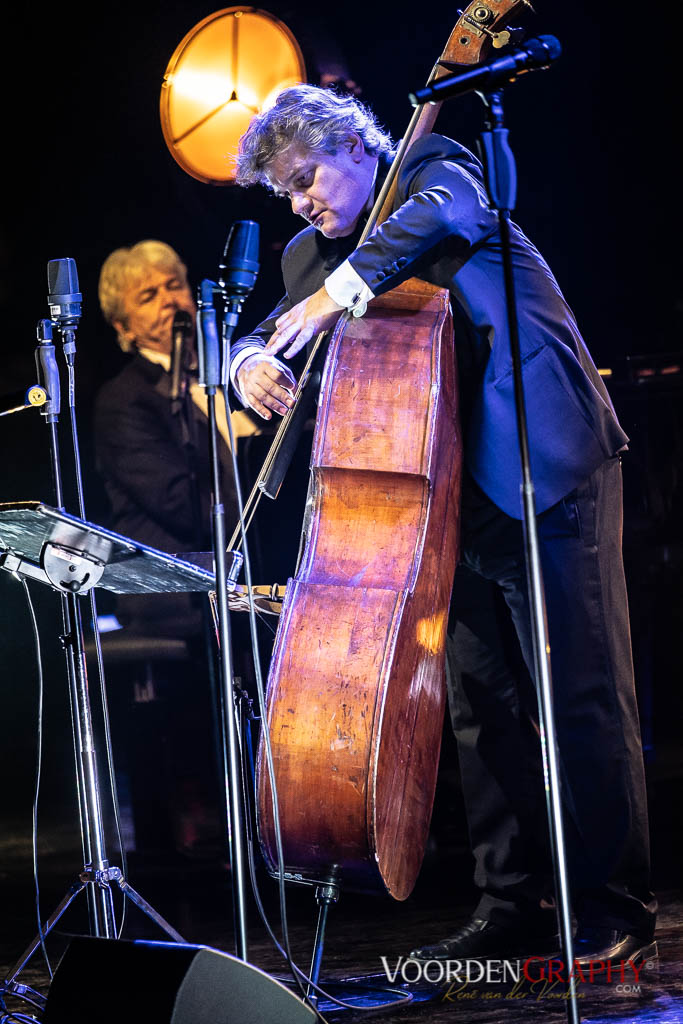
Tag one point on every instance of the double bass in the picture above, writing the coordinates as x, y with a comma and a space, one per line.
356, 695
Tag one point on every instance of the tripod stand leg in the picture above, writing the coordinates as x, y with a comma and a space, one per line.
47, 928
102, 895
142, 903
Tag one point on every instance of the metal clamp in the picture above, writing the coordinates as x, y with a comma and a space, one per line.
70, 571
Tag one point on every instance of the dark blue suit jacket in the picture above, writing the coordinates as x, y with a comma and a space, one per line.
443, 231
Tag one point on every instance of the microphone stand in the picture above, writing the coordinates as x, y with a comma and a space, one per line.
97, 874
92, 829
501, 181
182, 410
210, 380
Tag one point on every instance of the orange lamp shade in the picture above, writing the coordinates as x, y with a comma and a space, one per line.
229, 67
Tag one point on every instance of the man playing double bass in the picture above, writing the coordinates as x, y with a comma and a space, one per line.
327, 155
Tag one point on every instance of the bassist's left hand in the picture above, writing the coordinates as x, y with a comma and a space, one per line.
303, 322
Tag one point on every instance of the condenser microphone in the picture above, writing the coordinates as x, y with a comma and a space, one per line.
237, 277
535, 54
181, 336
239, 268
64, 298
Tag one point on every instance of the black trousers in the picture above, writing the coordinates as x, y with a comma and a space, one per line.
495, 712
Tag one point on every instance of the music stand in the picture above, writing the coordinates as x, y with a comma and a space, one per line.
72, 556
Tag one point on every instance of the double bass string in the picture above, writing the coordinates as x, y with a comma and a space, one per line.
424, 116
257, 492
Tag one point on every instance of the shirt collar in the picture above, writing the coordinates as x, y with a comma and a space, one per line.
162, 358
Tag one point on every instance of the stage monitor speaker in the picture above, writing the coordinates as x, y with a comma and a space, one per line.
114, 980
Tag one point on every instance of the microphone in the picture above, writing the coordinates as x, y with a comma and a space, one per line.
64, 298
536, 53
26, 398
207, 337
239, 269
181, 333
237, 277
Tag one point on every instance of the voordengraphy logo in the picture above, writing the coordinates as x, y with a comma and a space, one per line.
442, 972
535, 977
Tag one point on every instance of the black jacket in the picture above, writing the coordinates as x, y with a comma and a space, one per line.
148, 472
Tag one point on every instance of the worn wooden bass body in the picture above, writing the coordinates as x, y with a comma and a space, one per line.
356, 687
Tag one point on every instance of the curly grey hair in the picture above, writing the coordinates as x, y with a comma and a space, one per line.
317, 119
127, 266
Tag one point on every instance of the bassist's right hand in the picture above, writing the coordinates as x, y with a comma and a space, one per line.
266, 385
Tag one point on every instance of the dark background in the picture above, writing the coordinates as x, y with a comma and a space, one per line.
87, 170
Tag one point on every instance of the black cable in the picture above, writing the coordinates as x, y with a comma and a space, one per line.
300, 977
261, 693
39, 762
251, 846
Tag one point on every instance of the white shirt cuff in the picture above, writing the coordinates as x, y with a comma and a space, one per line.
347, 288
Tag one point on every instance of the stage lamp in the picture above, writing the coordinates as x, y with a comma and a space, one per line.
229, 67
